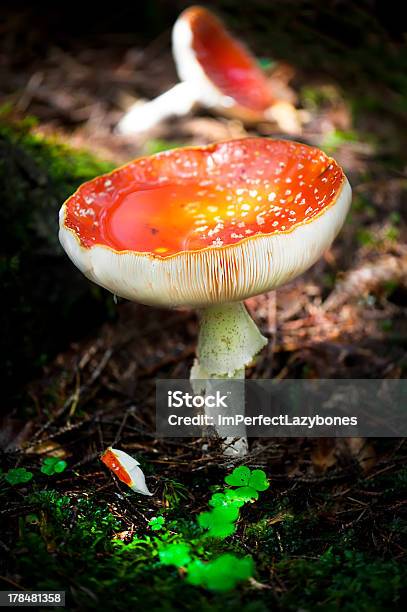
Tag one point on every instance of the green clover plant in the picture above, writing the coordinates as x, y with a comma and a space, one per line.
249, 482
222, 574
175, 554
220, 522
53, 465
228, 498
18, 476
156, 523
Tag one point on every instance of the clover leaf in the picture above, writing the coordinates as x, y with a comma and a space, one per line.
197, 572
238, 496
258, 480
156, 523
226, 571
175, 554
220, 521
239, 477
53, 465
222, 574
249, 482
248, 494
229, 498
18, 476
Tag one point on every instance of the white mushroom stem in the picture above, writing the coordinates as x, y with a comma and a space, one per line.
286, 116
228, 342
177, 101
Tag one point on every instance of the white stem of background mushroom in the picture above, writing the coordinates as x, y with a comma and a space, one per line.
228, 342
286, 116
142, 116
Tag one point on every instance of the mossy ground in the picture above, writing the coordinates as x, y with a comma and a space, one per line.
40, 312
320, 545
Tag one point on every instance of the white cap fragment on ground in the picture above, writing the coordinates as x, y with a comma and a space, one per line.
127, 469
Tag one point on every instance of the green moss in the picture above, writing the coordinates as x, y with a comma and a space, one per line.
71, 543
289, 535
347, 580
72, 546
156, 145
303, 553
46, 302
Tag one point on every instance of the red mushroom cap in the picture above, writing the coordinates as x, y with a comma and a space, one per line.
113, 463
224, 70
206, 224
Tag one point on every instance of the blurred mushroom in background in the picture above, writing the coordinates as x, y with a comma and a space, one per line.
217, 72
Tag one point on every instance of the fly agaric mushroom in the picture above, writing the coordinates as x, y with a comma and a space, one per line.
208, 227
216, 71
126, 468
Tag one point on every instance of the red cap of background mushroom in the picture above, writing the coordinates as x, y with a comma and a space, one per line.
223, 69
206, 225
